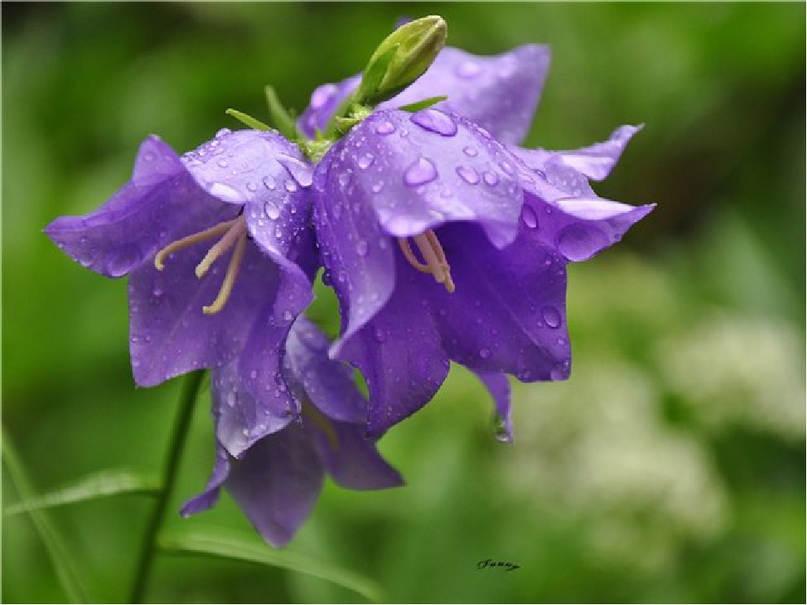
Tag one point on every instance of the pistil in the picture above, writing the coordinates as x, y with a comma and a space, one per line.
233, 233
432, 252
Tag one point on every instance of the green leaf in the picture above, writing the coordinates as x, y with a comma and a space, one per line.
98, 485
281, 118
59, 554
242, 549
247, 119
413, 107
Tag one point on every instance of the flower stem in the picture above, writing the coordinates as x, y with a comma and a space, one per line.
187, 399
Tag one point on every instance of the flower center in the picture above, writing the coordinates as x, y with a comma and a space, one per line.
434, 258
232, 233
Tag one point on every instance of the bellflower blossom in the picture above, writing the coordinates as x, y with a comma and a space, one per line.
492, 224
219, 259
276, 482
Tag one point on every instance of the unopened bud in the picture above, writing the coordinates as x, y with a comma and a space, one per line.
400, 59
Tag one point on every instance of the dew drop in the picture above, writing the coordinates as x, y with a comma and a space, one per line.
469, 175
377, 187
419, 173
468, 69
491, 178
223, 133
268, 182
380, 335
500, 431
344, 179
551, 316
223, 163
252, 186
290, 186
529, 217
361, 247
484, 353
271, 209
385, 128
470, 151
435, 121
366, 160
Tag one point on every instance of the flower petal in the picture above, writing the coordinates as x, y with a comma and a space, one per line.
356, 253
208, 498
353, 461
498, 386
418, 171
327, 383
277, 483
399, 353
243, 419
161, 203
594, 162
171, 335
500, 92
508, 312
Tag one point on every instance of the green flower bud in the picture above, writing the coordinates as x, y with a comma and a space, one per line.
401, 59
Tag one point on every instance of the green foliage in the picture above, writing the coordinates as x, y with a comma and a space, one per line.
669, 468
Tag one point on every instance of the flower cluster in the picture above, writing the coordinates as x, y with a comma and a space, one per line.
442, 238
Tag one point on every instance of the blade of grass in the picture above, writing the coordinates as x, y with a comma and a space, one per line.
57, 551
240, 549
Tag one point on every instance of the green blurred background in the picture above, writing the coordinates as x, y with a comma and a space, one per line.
670, 468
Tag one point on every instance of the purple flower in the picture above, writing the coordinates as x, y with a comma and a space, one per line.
277, 480
499, 93
218, 254
443, 244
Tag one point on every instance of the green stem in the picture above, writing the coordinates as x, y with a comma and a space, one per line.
60, 555
183, 420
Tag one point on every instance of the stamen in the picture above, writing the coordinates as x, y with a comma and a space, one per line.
229, 277
190, 240
237, 229
433, 255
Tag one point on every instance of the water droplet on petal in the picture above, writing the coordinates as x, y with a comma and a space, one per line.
223, 133
252, 186
377, 187
500, 431
366, 160
223, 163
529, 217
419, 173
484, 353
344, 179
361, 247
271, 209
551, 316
435, 121
290, 186
380, 335
469, 175
268, 182
468, 69
385, 128
491, 178
470, 151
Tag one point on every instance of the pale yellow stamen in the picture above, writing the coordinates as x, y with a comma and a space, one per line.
190, 240
233, 232
229, 277
433, 255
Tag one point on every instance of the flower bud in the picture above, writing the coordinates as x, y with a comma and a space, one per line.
401, 59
